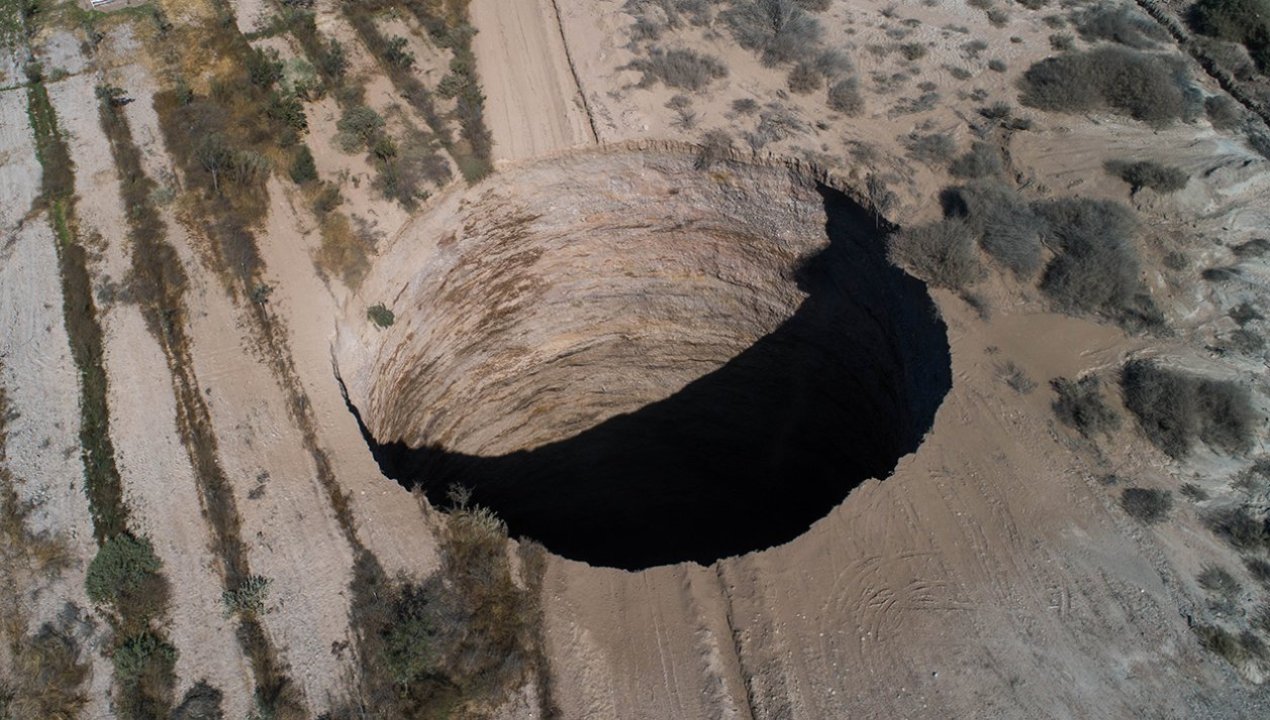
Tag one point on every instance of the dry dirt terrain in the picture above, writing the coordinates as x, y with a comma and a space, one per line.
754, 359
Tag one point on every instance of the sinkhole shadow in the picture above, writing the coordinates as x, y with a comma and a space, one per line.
746, 457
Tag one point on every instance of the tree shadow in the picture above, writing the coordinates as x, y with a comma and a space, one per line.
746, 457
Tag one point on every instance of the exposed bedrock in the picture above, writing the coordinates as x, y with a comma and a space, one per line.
636, 361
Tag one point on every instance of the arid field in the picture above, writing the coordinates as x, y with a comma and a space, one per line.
657, 359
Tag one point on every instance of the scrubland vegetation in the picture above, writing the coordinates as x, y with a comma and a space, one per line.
1149, 87
1080, 405
1148, 174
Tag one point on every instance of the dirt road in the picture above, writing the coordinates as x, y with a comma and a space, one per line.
532, 102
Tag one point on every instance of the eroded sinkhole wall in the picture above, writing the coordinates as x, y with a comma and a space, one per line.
638, 362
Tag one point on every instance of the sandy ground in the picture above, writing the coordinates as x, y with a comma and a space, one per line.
532, 103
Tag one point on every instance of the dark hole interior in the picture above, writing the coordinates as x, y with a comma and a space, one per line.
746, 457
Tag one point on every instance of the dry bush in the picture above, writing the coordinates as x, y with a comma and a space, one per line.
1237, 650
934, 149
844, 97
1095, 269
1007, 227
45, 678
779, 31
1148, 87
1080, 405
983, 160
1223, 112
1238, 526
679, 68
1218, 581
1120, 24
1174, 409
1147, 505
1149, 174
942, 253
1241, 21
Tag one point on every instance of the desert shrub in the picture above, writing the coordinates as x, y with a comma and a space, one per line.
1223, 587
803, 78
1221, 642
142, 653
679, 68
942, 253
1149, 87
264, 68
745, 106
1239, 527
1244, 313
44, 677
1259, 569
405, 168
303, 168
1174, 409
1095, 268
1223, 112
358, 127
997, 65
715, 145
1150, 174
1016, 377
983, 160
1146, 505
381, 315
397, 54
126, 572
1080, 405
913, 51
1194, 492
932, 149
1007, 227
1120, 24
287, 111
248, 598
1241, 21
779, 30
201, 702
844, 97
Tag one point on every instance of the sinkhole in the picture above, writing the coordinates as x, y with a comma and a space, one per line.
639, 358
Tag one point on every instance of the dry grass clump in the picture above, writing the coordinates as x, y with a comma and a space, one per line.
1080, 405
1147, 505
679, 68
935, 149
1120, 24
1149, 174
1175, 409
942, 253
1149, 87
45, 679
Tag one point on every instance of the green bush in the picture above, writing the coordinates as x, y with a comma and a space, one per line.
1147, 505
380, 315
1149, 174
1080, 405
141, 653
126, 572
942, 253
248, 598
303, 168
1174, 409
1149, 87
